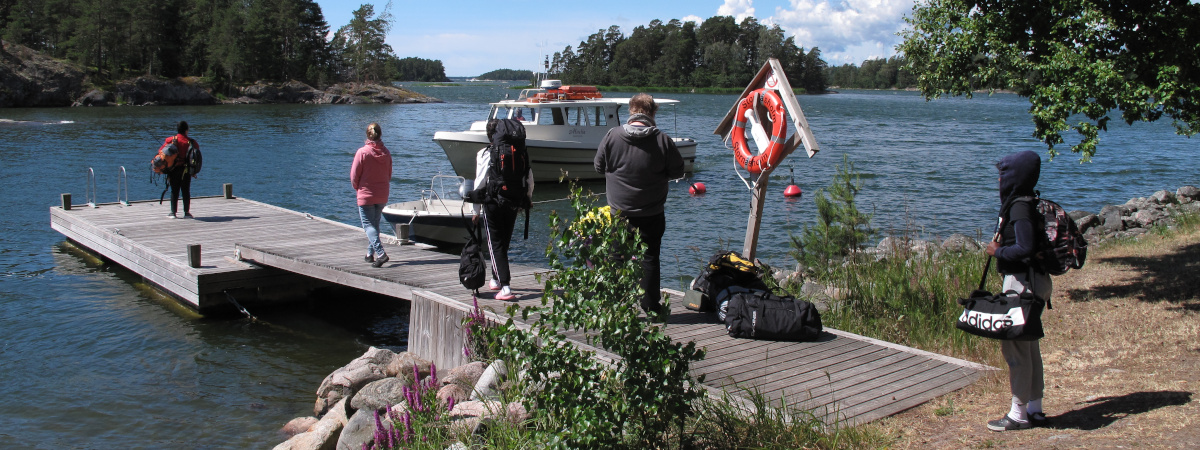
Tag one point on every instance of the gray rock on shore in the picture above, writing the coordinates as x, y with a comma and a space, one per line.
322, 436
344, 382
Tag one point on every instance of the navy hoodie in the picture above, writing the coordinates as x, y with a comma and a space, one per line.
1019, 174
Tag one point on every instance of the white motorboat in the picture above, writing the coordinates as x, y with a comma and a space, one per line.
439, 218
563, 128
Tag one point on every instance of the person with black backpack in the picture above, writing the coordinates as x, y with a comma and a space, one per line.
1020, 233
637, 160
503, 187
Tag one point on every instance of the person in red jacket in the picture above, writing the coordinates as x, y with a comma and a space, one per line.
371, 177
180, 175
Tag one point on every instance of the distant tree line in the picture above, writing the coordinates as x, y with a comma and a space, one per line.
718, 53
507, 74
873, 74
229, 41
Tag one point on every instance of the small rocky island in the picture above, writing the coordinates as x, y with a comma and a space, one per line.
31, 79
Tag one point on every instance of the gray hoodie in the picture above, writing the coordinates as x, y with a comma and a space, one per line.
637, 162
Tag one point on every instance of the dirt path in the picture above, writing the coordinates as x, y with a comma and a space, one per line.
1121, 355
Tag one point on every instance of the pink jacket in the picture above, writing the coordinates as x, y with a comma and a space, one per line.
371, 173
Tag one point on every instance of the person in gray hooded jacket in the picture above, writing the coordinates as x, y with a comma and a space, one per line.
637, 160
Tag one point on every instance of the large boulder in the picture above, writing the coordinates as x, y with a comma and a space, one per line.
1163, 197
360, 431
298, 425
1149, 217
1187, 194
322, 436
379, 394
1087, 222
467, 374
453, 392
402, 366
1110, 217
488, 385
466, 416
148, 90
29, 78
960, 243
342, 383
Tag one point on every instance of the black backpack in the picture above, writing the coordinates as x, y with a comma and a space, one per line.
760, 314
470, 262
194, 160
723, 270
508, 183
507, 176
1061, 247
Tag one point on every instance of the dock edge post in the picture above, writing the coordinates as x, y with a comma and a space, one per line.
227, 189
66, 202
193, 252
403, 232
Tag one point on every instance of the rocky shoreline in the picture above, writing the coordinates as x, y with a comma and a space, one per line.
357, 403
31, 79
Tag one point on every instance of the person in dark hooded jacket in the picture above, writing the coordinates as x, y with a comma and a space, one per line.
637, 160
1019, 174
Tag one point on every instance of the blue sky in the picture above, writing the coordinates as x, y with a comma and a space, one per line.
472, 37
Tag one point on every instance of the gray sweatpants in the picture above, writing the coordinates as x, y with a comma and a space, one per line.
1024, 358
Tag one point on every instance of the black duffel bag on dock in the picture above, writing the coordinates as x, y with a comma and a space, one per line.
760, 314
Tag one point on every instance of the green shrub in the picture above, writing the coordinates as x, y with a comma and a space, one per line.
640, 399
840, 229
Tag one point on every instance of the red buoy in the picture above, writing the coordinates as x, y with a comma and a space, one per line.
792, 190
697, 189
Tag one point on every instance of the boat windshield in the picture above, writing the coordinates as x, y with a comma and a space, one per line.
580, 116
524, 114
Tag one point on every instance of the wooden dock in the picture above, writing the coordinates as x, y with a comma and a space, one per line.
251, 250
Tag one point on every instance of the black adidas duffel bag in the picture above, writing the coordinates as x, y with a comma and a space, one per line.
759, 314
1008, 316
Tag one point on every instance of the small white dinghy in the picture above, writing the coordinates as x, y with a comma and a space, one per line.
439, 218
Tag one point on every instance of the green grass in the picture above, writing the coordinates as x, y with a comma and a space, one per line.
909, 299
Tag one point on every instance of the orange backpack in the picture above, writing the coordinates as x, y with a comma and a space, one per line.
164, 161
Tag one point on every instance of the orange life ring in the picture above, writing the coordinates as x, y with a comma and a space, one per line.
774, 153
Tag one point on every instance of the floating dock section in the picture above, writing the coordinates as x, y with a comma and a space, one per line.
257, 252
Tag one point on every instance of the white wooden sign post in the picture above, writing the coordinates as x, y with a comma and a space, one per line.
770, 76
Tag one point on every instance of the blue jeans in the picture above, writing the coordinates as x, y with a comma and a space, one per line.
370, 216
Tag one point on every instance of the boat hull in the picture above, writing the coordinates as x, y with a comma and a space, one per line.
440, 223
550, 159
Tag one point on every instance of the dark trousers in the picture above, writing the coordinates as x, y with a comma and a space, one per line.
651, 229
499, 222
180, 181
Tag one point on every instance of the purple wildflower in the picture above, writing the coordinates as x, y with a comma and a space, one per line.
450, 404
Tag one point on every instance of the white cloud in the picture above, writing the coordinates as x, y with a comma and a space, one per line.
739, 9
692, 18
846, 31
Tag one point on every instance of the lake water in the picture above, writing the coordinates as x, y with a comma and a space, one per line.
92, 357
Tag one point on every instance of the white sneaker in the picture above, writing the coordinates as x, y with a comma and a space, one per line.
505, 294
493, 285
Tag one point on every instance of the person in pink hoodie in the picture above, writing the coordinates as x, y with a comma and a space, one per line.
371, 176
